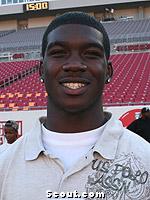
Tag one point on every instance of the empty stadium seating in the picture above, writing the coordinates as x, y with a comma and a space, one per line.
24, 93
128, 30
130, 84
131, 62
4, 33
131, 79
118, 31
11, 70
22, 39
133, 47
128, 26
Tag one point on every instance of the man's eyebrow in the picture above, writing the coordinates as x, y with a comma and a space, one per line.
84, 45
93, 44
58, 43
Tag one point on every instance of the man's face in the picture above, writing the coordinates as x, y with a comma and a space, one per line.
74, 67
10, 134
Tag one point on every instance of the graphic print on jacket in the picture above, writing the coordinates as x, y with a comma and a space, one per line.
122, 179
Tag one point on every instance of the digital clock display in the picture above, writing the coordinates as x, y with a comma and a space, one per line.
36, 6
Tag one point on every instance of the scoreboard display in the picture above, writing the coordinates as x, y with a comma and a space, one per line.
36, 6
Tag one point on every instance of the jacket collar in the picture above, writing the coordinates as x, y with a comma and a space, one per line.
106, 146
33, 142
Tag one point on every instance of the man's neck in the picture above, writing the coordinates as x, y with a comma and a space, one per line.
61, 121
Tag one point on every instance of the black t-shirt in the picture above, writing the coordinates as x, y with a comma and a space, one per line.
141, 127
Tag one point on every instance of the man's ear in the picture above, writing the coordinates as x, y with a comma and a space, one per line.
41, 71
109, 72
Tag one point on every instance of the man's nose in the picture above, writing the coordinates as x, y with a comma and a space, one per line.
74, 67
74, 64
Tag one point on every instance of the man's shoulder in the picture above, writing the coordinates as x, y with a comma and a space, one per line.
12, 150
3, 147
26, 146
134, 141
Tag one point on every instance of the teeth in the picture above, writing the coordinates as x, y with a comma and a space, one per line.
73, 85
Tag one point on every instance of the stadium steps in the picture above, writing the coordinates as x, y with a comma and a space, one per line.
4, 33
10, 72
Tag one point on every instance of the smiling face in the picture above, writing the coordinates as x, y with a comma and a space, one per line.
75, 68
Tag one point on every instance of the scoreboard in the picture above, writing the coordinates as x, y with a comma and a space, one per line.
36, 6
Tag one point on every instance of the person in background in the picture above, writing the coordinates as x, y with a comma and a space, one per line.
10, 134
11, 131
141, 126
78, 149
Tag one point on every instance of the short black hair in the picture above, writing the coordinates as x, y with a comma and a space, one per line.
77, 18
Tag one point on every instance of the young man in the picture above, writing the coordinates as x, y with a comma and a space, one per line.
10, 133
141, 126
78, 149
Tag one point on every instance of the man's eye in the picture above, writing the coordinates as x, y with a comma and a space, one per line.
93, 55
57, 53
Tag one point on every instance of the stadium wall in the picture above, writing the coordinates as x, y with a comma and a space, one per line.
60, 5
28, 118
32, 22
137, 13
11, 9
11, 16
127, 12
147, 12
63, 4
8, 25
39, 21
